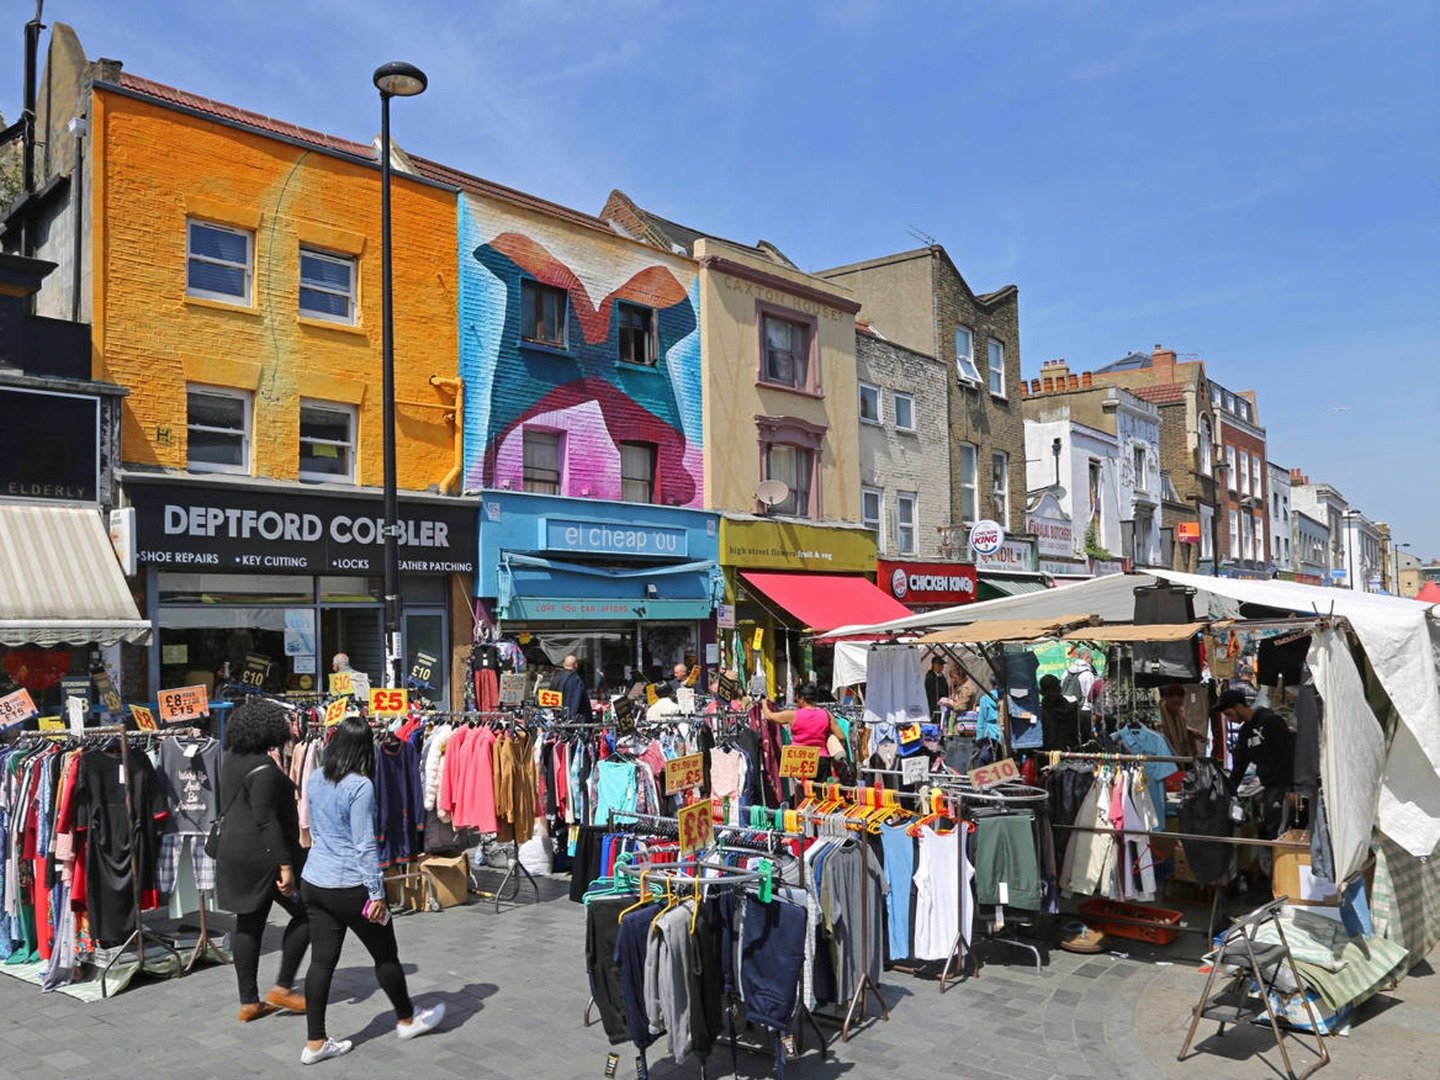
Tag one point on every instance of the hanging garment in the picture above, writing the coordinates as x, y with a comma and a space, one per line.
1138, 739
895, 686
1005, 853
772, 953
1205, 810
938, 887
1090, 855
189, 777
1137, 862
899, 852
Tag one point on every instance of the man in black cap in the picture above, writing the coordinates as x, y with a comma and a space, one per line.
1266, 740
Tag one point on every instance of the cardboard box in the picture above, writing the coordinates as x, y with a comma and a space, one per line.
447, 878
1291, 876
408, 892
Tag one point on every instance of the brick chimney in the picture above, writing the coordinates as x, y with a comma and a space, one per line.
1057, 369
1162, 362
1298, 477
1034, 386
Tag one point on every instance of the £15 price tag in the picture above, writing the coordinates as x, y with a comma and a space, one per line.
335, 711
16, 707
800, 762
695, 827
144, 718
684, 772
388, 701
183, 703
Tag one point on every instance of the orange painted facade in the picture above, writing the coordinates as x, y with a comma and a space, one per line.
156, 167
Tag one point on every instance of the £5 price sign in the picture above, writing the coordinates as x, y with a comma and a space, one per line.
388, 701
800, 762
684, 772
335, 711
987, 776
549, 699
695, 827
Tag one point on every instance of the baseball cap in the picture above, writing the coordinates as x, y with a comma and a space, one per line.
1234, 696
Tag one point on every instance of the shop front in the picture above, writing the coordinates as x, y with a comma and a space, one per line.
250, 575
786, 580
1012, 568
629, 589
927, 586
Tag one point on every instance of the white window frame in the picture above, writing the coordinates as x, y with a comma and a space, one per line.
877, 522
965, 368
353, 445
1230, 466
1244, 488
1206, 438
909, 400
1001, 493
973, 487
1257, 484
879, 416
351, 299
1234, 534
996, 371
246, 433
248, 266
906, 501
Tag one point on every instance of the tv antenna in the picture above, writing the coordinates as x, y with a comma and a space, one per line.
921, 235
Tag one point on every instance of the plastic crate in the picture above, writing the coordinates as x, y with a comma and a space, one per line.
1103, 915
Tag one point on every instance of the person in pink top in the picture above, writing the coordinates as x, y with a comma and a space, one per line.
808, 724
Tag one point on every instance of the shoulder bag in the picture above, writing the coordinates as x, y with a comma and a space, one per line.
212, 839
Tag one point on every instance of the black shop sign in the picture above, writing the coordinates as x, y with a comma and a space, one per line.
194, 528
49, 445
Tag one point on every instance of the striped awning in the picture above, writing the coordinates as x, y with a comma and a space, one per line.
60, 583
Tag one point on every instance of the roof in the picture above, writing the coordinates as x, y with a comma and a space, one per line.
671, 234
933, 251
1164, 394
1131, 362
457, 178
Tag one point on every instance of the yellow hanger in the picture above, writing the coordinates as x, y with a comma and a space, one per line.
671, 899
695, 915
644, 898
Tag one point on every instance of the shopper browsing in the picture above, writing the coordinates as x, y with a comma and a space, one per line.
259, 857
342, 888
809, 726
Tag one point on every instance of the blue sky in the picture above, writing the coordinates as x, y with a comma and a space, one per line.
1255, 183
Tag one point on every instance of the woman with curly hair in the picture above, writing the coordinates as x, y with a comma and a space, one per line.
260, 857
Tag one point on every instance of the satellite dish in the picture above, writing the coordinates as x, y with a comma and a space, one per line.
771, 492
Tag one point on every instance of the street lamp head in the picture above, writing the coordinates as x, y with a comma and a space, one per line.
399, 79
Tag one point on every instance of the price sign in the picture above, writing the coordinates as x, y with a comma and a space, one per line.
144, 718
16, 708
549, 699
728, 689
512, 689
342, 683
388, 701
696, 827
987, 776
257, 667
76, 686
107, 691
335, 711
423, 667
183, 703
758, 641
800, 762
51, 723
684, 772
914, 768
624, 710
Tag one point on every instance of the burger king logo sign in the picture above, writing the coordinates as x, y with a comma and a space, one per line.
986, 537
899, 583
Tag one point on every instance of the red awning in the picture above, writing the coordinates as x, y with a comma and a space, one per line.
824, 601
1430, 594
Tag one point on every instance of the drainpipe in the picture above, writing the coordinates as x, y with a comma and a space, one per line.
27, 117
456, 387
79, 128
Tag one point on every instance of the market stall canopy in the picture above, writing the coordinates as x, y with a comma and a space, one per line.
1005, 630
1150, 632
823, 601
60, 583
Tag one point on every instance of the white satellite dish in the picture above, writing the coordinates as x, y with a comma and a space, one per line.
772, 492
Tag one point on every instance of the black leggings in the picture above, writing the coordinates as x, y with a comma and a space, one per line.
332, 911
245, 945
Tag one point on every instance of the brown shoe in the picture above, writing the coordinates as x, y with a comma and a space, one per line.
289, 1000
254, 1010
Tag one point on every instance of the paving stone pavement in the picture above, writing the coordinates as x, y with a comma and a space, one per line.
515, 988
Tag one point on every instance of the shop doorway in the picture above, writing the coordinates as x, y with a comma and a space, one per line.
424, 631
355, 630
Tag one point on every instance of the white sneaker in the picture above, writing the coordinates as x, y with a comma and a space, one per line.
333, 1048
424, 1020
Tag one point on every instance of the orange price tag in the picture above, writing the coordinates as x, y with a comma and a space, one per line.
144, 718
987, 776
800, 762
183, 703
335, 711
388, 701
16, 707
696, 827
549, 699
684, 772
342, 682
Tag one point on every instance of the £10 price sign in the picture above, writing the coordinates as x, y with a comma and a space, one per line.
987, 776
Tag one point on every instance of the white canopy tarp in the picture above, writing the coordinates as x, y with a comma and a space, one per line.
850, 658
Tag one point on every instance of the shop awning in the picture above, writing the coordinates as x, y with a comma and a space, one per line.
824, 601
60, 583
991, 588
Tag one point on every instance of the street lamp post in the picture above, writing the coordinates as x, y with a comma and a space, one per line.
395, 79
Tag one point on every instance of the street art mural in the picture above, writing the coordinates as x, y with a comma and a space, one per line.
573, 383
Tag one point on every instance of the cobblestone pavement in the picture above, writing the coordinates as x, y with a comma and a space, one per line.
515, 986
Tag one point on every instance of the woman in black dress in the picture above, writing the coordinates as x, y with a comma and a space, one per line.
260, 857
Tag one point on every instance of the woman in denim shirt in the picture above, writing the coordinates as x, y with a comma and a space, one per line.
342, 889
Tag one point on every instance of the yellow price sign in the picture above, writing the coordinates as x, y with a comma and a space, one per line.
144, 718
389, 701
758, 641
696, 826
549, 699
684, 772
52, 723
800, 762
335, 711
342, 682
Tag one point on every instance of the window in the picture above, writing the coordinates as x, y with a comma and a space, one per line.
1205, 443
869, 404
1234, 534
218, 423
969, 483
1256, 484
1247, 537
1096, 501
327, 286
218, 265
787, 352
1140, 466
905, 522
1207, 532
327, 441
637, 472
996, 361
543, 310
870, 510
544, 457
904, 412
1230, 465
792, 465
1000, 487
1244, 479
637, 334
965, 356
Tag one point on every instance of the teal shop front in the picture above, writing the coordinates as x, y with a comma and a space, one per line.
629, 589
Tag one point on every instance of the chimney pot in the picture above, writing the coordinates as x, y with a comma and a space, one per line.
1087, 380
1074, 382
1034, 386
1049, 382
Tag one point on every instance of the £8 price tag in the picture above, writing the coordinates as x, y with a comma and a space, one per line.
388, 701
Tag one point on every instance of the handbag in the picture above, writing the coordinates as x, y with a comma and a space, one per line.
212, 838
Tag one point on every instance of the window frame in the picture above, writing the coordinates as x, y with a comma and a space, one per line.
992, 369
559, 470
812, 385
877, 522
902, 498
652, 343
1000, 494
1230, 467
248, 299
909, 399
653, 481
247, 439
1244, 469
803, 455
526, 332
1140, 457
1207, 451
973, 487
352, 416
966, 369
879, 418
352, 296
